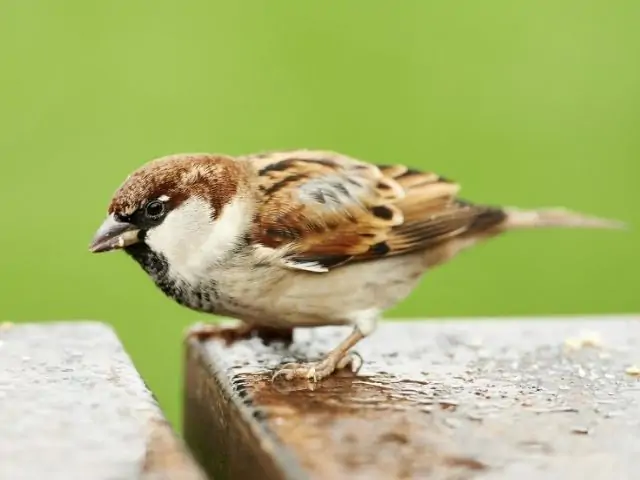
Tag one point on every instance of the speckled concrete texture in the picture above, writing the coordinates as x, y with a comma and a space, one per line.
553, 398
72, 406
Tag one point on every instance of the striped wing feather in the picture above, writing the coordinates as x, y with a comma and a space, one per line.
328, 209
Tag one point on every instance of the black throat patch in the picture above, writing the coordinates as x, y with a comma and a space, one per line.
202, 297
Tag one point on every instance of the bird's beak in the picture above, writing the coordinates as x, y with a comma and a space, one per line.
114, 235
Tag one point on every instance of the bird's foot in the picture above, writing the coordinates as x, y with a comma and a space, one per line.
229, 333
316, 371
234, 333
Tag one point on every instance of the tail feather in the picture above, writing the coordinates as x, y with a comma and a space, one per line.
556, 217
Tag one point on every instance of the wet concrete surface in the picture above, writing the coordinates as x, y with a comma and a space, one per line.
461, 399
72, 406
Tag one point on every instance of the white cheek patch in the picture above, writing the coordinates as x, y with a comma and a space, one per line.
181, 234
228, 229
193, 242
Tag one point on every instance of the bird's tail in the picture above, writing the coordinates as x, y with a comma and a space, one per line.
555, 217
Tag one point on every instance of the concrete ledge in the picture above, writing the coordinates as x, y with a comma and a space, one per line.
460, 399
72, 406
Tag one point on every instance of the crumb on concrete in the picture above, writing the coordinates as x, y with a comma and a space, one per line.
633, 370
584, 340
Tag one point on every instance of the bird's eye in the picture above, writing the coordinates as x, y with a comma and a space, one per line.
154, 209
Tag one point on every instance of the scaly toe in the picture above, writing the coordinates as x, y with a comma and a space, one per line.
324, 368
316, 371
311, 374
290, 371
352, 360
306, 371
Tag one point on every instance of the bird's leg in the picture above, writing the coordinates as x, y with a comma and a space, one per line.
241, 331
336, 359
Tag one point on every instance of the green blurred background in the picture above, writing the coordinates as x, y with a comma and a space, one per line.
531, 104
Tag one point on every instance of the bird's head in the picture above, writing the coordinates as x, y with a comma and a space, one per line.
189, 209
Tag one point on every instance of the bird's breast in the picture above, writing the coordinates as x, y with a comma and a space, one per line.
273, 296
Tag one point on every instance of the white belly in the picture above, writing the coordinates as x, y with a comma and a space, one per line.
281, 297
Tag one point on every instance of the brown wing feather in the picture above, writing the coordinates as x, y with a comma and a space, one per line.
330, 209
433, 213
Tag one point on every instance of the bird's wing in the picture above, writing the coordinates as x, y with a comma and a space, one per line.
321, 210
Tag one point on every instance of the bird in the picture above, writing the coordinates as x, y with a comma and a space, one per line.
300, 238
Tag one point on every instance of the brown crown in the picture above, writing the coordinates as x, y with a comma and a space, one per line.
212, 177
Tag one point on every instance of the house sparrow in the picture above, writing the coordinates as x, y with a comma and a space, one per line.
299, 238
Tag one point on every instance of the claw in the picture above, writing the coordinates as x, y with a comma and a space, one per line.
353, 358
316, 371
280, 373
